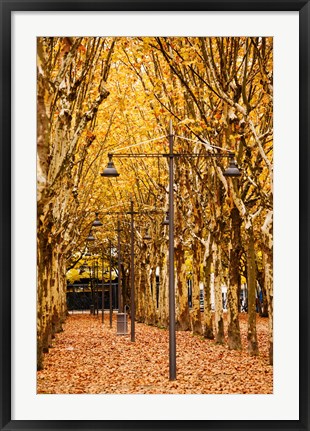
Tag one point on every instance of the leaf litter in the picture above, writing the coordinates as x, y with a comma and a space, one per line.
90, 358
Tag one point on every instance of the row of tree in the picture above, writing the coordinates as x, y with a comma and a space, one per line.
102, 95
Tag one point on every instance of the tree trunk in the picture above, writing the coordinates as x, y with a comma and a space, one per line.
51, 295
207, 318
196, 323
149, 305
260, 275
268, 269
234, 338
182, 309
139, 293
251, 284
269, 290
218, 315
163, 313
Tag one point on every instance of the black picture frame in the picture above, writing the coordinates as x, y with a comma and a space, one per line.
7, 7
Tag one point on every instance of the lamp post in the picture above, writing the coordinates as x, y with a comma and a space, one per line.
95, 284
110, 285
119, 268
91, 238
231, 171
172, 336
132, 274
102, 290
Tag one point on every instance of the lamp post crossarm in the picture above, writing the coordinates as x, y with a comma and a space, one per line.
190, 155
145, 155
145, 212
133, 212
159, 155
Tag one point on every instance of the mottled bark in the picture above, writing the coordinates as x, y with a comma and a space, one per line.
269, 291
251, 285
218, 315
264, 307
51, 296
195, 314
260, 275
207, 315
139, 294
181, 234
234, 338
267, 231
146, 308
153, 291
163, 312
182, 308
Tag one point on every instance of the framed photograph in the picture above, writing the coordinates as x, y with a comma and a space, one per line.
30, 398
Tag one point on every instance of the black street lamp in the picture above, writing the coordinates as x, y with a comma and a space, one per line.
90, 237
110, 171
232, 170
166, 221
147, 235
97, 222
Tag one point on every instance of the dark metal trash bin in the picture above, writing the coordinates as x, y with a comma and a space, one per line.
92, 309
122, 325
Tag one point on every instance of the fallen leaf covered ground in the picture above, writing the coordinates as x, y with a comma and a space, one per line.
90, 358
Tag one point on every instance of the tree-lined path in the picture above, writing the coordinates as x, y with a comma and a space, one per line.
185, 245
90, 358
